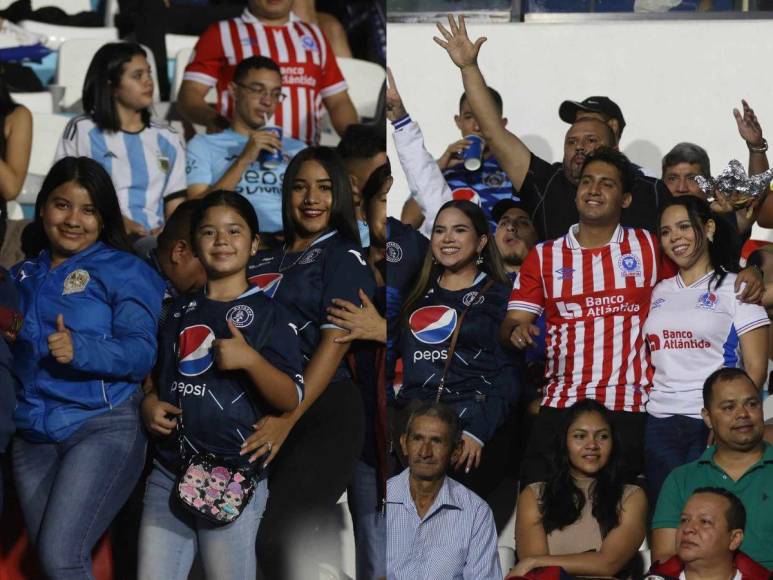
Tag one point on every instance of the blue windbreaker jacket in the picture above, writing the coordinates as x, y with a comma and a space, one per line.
110, 301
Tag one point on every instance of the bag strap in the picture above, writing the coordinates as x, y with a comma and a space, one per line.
454, 337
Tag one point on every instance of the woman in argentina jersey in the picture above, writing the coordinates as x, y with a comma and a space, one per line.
315, 448
479, 384
228, 356
695, 326
145, 159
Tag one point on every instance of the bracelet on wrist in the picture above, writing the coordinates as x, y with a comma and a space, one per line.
758, 148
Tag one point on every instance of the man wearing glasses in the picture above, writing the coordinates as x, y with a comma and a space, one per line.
235, 159
309, 69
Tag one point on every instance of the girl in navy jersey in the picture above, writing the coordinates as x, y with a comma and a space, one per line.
228, 356
695, 326
316, 446
145, 159
463, 261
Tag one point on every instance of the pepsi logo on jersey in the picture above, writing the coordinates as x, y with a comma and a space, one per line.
195, 350
266, 283
432, 325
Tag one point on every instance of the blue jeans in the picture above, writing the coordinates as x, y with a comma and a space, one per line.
668, 443
70, 491
170, 536
369, 523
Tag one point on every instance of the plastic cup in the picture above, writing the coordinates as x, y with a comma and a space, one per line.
271, 160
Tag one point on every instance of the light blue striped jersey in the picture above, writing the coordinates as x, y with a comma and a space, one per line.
145, 166
210, 156
456, 539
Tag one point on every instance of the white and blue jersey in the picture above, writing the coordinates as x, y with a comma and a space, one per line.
481, 380
210, 156
307, 282
220, 407
145, 167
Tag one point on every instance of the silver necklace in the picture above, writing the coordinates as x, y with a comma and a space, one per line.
282, 267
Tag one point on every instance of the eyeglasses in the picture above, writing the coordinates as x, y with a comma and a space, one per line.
259, 91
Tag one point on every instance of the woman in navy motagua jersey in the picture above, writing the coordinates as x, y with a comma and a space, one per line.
89, 337
315, 448
461, 287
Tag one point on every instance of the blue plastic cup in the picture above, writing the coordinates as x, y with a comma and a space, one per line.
473, 155
271, 160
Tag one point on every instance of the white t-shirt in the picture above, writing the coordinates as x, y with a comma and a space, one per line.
691, 332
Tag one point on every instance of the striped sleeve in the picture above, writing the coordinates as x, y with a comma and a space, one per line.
208, 58
332, 81
528, 293
748, 317
68, 142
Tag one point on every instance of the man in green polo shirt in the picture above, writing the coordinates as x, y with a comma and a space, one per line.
740, 461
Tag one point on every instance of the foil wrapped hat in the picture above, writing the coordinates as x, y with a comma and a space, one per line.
735, 184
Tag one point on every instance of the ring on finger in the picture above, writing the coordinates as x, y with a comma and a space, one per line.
268, 444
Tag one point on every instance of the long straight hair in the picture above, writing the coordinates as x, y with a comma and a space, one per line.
723, 250
562, 502
341, 211
431, 270
103, 77
92, 177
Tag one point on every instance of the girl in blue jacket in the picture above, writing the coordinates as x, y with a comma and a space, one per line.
89, 336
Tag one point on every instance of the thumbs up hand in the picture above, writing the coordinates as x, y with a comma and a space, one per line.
234, 353
60, 342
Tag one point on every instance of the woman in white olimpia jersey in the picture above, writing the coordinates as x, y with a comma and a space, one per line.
696, 325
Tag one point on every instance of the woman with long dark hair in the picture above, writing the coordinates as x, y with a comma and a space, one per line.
15, 148
145, 158
314, 449
462, 288
695, 326
583, 518
89, 337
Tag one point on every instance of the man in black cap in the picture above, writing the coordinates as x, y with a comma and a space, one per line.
601, 108
515, 234
547, 190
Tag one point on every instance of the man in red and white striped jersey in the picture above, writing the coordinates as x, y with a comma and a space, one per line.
310, 74
594, 285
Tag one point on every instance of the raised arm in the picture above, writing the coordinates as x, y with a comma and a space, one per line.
750, 130
510, 151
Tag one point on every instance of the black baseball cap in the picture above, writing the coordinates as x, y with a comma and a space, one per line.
501, 208
568, 109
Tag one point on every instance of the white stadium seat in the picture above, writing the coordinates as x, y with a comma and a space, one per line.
39, 102
56, 34
46, 132
365, 80
68, 6
177, 42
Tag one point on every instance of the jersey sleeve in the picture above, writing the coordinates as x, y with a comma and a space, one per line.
332, 81
283, 349
670, 502
747, 317
345, 272
198, 165
528, 293
68, 142
208, 57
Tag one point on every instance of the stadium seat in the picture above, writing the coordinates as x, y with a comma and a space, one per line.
182, 58
40, 102
56, 34
74, 58
177, 42
46, 131
68, 6
347, 538
767, 408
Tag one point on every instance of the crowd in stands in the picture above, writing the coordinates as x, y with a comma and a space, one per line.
193, 354
581, 328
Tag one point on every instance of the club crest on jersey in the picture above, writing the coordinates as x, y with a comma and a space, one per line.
241, 315
470, 298
564, 273
629, 265
266, 283
309, 43
394, 253
433, 324
163, 164
311, 256
496, 179
195, 350
75, 282
707, 301
467, 193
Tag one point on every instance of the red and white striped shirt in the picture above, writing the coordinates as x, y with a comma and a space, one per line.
595, 303
309, 68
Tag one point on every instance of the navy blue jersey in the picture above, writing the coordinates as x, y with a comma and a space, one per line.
481, 380
220, 407
306, 283
405, 254
485, 186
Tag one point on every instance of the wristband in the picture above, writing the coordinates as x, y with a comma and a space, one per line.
758, 149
